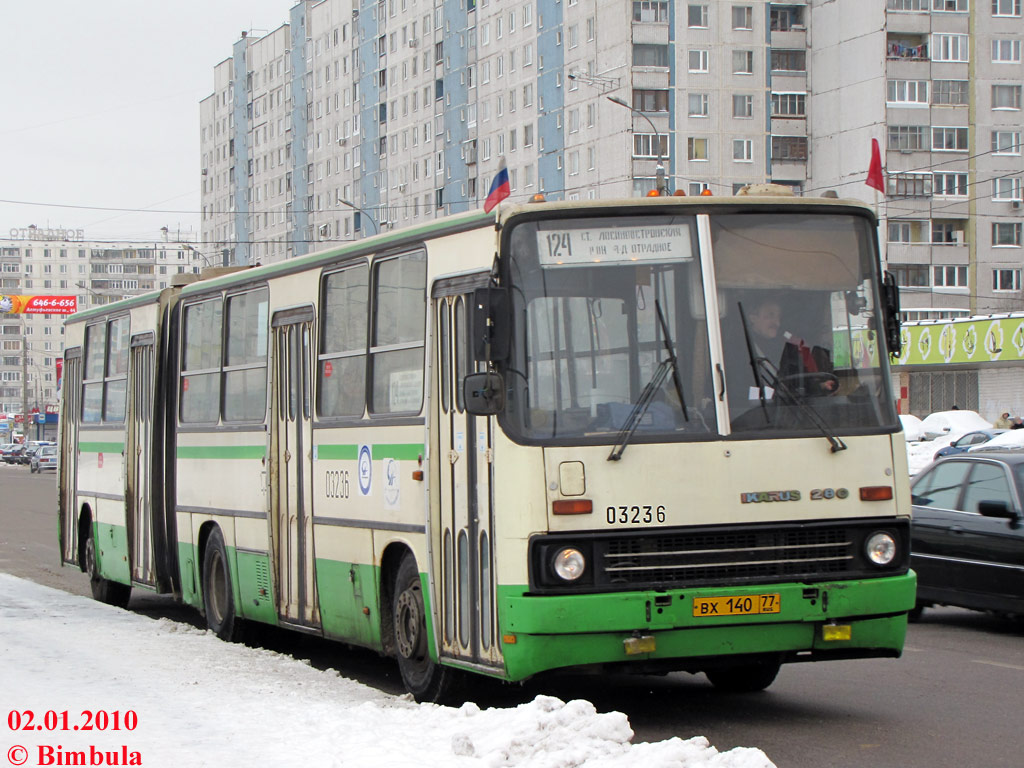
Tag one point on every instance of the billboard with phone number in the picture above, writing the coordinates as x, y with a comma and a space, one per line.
38, 305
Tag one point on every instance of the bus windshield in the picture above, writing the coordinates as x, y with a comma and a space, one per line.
612, 312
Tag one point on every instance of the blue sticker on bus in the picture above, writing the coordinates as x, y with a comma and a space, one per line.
365, 470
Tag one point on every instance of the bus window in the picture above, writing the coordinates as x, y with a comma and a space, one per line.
245, 370
116, 381
342, 360
396, 351
92, 389
200, 368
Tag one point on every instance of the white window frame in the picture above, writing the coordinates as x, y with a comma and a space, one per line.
1013, 91
703, 57
1007, 188
1011, 227
907, 92
742, 150
945, 129
951, 6
941, 183
692, 142
705, 105
1005, 50
1006, 7
949, 276
702, 11
950, 47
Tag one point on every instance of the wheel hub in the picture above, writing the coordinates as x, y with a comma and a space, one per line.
407, 624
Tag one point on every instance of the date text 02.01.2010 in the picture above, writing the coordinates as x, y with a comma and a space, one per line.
85, 720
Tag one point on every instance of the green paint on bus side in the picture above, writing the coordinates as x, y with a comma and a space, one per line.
189, 571
112, 552
100, 447
563, 631
221, 451
349, 601
255, 586
337, 452
398, 451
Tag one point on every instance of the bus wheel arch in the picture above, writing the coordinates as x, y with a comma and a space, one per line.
425, 678
217, 587
103, 590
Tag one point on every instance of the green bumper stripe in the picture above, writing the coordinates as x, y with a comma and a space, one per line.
100, 447
221, 451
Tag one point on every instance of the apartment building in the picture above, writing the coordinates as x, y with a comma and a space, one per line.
357, 117
63, 263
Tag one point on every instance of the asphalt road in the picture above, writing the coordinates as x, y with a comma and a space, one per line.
956, 698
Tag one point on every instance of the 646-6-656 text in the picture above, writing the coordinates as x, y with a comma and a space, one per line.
84, 720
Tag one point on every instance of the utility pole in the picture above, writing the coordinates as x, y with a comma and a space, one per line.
24, 378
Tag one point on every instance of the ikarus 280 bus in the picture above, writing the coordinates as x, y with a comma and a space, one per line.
561, 435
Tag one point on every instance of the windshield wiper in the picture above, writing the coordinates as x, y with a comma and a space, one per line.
650, 390
764, 369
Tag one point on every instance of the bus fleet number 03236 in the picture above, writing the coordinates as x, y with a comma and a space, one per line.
644, 513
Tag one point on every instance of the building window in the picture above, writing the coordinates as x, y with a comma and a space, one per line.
949, 139
650, 100
906, 137
1007, 188
951, 6
743, 62
1005, 97
742, 17
697, 61
1005, 51
648, 145
949, 277
650, 10
648, 55
697, 16
1006, 234
1005, 279
951, 184
1006, 7
950, 92
907, 5
909, 185
910, 275
789, 105
950, 48
784, 18
742, 105
1005, 142
698, 104
786, 148
907, 92
697, 149
743, 150
695, 188
947, 232
789, 61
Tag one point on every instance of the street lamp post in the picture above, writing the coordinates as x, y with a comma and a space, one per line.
660, 178
354, 207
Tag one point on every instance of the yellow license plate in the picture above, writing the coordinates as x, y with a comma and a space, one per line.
737, 605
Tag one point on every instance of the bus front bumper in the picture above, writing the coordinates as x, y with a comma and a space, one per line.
684, 629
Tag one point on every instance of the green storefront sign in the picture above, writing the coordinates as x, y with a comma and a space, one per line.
973, 340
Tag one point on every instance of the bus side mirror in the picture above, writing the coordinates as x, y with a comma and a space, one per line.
484, 393
891, 313
489, 324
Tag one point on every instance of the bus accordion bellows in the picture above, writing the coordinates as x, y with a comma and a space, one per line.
638, 435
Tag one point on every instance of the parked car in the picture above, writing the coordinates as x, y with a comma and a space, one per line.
1011, 440
967, 536
12, 455
912, 429
45, 459
946, 422
968, 441
26, 455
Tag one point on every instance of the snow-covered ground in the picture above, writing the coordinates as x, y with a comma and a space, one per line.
199, 701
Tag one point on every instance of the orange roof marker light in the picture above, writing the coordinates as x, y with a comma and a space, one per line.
654, 193
706, 193
538, 198
679, 193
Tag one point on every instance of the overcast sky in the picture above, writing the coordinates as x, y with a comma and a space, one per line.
100, 104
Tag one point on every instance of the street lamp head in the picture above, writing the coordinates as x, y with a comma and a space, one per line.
620, 102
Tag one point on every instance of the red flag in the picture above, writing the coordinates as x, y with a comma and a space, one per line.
875, 177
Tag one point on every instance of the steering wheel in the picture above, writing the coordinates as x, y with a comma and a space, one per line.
812, 382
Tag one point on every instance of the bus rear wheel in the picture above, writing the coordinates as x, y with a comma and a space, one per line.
104, 590
425, 679
744, 678
218, 595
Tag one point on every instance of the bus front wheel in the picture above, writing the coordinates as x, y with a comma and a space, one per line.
744, 678
424, 678
104, 590
218, 596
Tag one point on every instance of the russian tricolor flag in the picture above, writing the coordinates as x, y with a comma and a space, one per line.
500, 188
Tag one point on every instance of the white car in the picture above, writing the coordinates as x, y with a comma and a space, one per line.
947, 422
1010, 440
912, 429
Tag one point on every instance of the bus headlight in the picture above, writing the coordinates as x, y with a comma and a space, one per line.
881, 548
569, 563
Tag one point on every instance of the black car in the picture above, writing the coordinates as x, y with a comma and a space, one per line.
967, 536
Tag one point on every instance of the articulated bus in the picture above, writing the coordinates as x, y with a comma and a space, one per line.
559, 435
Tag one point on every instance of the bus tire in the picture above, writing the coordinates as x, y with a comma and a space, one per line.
424, 678
744, 678
218, 595
104, 590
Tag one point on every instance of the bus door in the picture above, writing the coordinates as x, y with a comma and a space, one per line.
138, 459
71, 412
292, 474
464, 531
